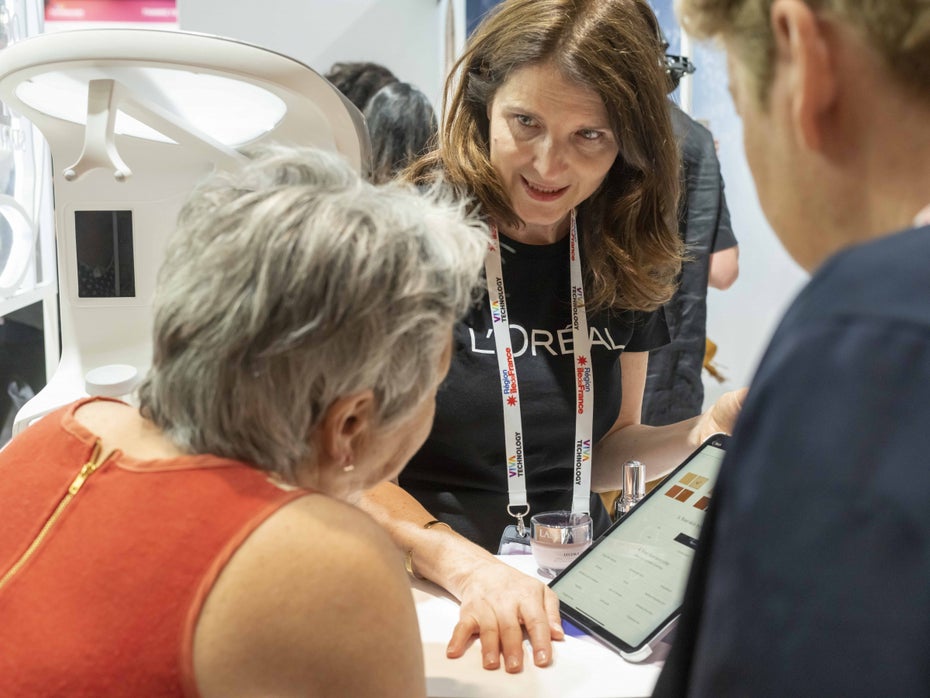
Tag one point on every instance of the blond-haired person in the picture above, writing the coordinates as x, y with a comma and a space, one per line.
812, 574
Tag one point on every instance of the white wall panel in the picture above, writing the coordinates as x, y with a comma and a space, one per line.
403, 35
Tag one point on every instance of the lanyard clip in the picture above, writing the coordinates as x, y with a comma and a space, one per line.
518, 515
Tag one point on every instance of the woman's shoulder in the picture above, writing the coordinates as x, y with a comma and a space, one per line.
315, 596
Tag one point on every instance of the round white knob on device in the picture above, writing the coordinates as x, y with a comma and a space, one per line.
112, 380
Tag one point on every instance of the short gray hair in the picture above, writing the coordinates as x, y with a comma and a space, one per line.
291, 283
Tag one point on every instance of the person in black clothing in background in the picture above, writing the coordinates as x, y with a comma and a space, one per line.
674, 389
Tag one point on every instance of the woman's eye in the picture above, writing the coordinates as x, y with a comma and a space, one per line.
589, 134
525, 120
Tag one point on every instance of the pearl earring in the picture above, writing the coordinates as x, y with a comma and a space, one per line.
348, 468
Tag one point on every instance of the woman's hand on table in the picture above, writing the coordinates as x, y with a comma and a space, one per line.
498, 602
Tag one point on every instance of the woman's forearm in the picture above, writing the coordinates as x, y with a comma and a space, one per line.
660, 449
438, 553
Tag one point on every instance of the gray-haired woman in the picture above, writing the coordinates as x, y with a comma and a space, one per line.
197, 545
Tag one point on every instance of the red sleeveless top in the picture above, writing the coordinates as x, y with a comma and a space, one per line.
100, 590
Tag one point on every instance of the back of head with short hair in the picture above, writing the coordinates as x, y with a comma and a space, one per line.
359, 81
291, 283
402, 126
899, 30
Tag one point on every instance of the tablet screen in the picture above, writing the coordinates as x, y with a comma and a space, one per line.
631, 582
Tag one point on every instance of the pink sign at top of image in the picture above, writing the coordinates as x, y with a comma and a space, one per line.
135, 11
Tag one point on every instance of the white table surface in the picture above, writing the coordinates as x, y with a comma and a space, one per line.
581, 668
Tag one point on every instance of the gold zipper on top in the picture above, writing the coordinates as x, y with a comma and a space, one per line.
88, 469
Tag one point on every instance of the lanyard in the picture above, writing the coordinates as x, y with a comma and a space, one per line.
518, 506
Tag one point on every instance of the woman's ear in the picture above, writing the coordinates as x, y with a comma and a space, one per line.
344, 426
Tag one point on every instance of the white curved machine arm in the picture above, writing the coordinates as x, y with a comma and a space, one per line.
134, 118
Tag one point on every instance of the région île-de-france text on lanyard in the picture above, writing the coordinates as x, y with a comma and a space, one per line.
518, 506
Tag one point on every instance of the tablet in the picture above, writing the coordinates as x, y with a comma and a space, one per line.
628, 587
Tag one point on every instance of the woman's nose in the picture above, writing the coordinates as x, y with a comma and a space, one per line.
550, 158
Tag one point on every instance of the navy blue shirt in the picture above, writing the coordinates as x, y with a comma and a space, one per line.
812, 577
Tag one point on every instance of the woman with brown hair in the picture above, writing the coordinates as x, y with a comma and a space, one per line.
557, 124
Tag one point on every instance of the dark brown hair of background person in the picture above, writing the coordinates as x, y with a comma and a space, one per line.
402, 126
359, 80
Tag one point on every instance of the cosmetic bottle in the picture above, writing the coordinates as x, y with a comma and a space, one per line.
634, 487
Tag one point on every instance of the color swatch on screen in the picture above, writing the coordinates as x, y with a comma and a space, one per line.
687, 485
702, 503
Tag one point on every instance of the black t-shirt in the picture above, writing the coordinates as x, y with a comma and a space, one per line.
812, 577
460, 475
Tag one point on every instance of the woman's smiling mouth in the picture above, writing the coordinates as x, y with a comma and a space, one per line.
538, 193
